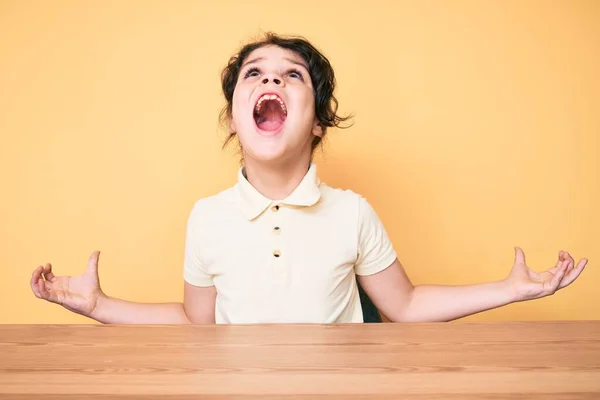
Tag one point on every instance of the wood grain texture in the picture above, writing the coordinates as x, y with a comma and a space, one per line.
526, 360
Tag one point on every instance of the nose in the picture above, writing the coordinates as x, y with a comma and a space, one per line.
273, 79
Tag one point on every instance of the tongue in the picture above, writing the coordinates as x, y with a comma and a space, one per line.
271, 125
271, 116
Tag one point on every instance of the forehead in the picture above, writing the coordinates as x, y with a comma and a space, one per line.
274, 54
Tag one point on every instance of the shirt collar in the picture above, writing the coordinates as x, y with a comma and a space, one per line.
253, 203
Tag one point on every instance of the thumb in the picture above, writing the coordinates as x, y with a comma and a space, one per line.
92, 266
519, 256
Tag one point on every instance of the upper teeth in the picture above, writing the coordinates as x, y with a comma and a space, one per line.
270, 97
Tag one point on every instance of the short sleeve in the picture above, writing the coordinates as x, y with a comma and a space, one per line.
375, 250
193, 271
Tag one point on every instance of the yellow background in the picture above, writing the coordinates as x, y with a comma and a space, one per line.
477, 129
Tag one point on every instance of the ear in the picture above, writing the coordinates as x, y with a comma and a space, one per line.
317, 129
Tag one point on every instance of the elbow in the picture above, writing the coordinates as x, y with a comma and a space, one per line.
401, 317
404, 311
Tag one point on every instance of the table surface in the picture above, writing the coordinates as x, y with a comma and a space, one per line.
459, 360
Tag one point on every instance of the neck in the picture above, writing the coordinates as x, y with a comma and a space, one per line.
275, 181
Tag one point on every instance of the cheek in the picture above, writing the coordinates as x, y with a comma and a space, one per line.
237, 102
235, 105
237, 116
303, 100
309, 104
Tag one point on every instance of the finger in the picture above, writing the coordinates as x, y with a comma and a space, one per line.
574, 273
46, 292
41, 287
35, 276
48, 275
560, 258
519, 256
37, 273
570, 260
92, 266
559, 263
554, 269
557, 278
48, 287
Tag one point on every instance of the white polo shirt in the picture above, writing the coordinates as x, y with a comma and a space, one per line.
285, 261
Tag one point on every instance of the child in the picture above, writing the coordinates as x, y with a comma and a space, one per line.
282, 246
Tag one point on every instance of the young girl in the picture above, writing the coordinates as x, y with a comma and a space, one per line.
280, 245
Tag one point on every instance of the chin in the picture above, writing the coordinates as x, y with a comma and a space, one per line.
265, 153
264, 145
273, 145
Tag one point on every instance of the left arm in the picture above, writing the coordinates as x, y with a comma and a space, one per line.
399, 300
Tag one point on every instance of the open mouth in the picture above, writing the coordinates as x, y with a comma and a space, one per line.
270, 112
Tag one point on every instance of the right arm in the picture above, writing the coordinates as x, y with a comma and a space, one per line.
198, 307
82, 294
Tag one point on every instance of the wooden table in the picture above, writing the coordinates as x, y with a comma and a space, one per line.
532, 360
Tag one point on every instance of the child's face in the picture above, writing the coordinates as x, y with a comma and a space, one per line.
274, 129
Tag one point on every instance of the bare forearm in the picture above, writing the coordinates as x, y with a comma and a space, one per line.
432, 303
110, 310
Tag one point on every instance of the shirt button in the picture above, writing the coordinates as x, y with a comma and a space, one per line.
275, 208
276, 253
277, 229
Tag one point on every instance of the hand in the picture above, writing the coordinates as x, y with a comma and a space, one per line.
528, 284
79, 293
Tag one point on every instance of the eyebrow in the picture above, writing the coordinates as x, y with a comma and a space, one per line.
296, 62
255, 60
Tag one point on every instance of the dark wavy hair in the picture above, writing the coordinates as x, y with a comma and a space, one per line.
321, 75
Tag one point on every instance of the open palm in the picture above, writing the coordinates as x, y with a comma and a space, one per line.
79, 293
529, 284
